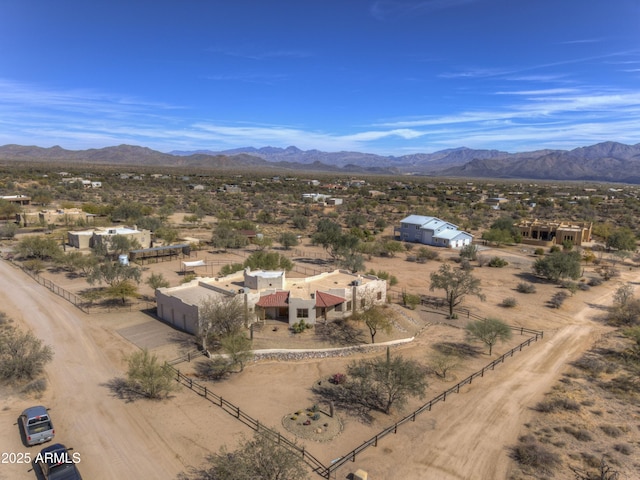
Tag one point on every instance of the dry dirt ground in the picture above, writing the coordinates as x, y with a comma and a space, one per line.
467, 437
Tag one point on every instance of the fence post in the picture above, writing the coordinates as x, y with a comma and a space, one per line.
205, 391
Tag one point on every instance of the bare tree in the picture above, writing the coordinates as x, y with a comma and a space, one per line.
442, 363
604, 472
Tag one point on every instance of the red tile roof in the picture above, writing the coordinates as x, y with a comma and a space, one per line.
278, 299
324, 299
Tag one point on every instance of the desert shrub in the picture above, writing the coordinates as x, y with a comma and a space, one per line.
611, 430
524, 287
498, 262
583, 286
558, 299
571, 286
581, 434
539, 251
338, 378
607, 272
300, 326
529, 453
465, 264
595, 281
623, 384
554, 248
623, 448
555, 404
410, 300
509, 302
411, 258
316, 416
425, 254
590, 364
35, 386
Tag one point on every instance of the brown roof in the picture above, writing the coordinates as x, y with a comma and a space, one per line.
278, 299
324, 299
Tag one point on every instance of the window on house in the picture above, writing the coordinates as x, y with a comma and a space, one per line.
349, 305
302, 313
379, 296
363, 303
339, 307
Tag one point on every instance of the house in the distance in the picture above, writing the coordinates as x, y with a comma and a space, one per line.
431, 231
84, 239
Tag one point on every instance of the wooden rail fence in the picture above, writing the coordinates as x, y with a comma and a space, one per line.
316, 465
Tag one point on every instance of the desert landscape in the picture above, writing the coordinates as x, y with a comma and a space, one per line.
467, 437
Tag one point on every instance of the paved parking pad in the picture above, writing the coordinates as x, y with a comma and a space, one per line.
155, 334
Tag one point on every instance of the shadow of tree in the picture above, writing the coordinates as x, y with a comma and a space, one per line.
340, 332
121, 389
214, 369
459, 349
347, 397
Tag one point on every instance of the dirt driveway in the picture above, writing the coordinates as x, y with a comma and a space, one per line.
115, 439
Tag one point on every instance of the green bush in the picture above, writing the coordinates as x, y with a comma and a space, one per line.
509, 302
524, 287
498, 262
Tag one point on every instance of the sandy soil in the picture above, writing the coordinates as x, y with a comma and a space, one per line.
464, 438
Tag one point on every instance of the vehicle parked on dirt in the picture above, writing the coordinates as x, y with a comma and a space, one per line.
37, 425
56, 463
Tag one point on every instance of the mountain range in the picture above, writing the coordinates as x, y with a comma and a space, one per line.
607, 161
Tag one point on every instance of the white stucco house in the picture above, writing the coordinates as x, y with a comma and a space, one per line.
270, 295
431, 231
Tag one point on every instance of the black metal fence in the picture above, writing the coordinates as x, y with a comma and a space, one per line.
61, 292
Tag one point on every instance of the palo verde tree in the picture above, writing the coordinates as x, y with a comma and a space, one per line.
489, 331
268, 261
22, 355
157, 280
147, 376
622, 239
376, 318
456, 284
388, 381
558, 266
219, 317
238, 348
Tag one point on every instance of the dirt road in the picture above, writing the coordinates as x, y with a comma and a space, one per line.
115, 440
469, 436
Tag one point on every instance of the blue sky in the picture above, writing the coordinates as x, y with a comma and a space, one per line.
391, 77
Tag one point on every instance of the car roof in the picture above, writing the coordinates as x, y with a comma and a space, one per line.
37, 411
53, 447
